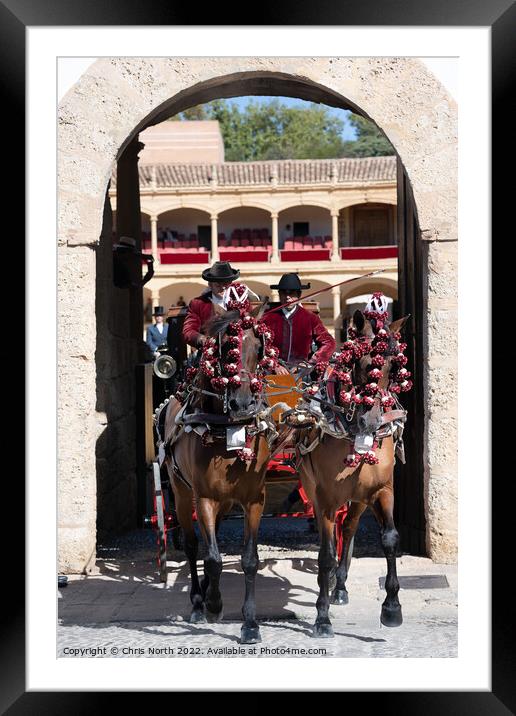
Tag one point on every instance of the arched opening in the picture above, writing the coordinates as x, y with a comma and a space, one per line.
412, 530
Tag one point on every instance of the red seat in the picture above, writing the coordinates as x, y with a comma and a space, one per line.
289, 244
235, 242
245, 242
318, 241
179, 244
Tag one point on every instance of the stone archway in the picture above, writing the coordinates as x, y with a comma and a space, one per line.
118, 97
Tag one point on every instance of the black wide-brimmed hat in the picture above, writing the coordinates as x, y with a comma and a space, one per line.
221, 271
158, 311
290, 282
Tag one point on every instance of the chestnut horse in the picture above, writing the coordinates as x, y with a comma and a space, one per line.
218, 478
330, 483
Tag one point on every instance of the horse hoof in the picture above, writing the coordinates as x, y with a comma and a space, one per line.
323, 631
197, 617
339, 596
214, 617
391, 616
250, 635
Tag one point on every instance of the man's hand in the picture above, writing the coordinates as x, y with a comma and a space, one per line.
281, 370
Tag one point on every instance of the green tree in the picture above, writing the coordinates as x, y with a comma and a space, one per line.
273, 130
276, 131
370, 142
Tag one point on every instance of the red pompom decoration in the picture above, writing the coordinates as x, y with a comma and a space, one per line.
234, 341
234, 354
353, 459
403, 347
370, 458
345, 397
256, 385
235, 381
312, 389
387, 401
381, 347
357, 398
346, 357
344, 376
374, 374
267, 363
247, 322
394, 388
219, 384
234, 328
378, 361
406, 385
368, 401
207, 369
190, 373
230, 368
246, 454
371, 388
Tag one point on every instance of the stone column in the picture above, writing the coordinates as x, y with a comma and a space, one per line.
154, 299
335, 255
336, 304
275, 252
214, 238
154, 238
274, 294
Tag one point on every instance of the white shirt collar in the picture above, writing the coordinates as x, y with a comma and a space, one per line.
217, 299
289, 311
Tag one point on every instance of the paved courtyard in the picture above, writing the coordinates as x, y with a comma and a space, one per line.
124, 611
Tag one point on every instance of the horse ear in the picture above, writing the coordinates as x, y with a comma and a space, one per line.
397, 325
258, 311
358, 320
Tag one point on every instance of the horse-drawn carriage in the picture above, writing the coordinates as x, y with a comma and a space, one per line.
281, 471
340, 419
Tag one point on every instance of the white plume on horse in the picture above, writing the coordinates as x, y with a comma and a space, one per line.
231, 294
377, 302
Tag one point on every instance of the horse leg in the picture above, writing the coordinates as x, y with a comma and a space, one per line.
183, 498
349, 527
327, 564
207, 511
384, 508
206, 580
250, 633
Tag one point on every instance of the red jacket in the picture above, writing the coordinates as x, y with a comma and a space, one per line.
293, 337
200, 309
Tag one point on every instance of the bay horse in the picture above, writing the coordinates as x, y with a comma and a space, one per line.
330, 483
217, 478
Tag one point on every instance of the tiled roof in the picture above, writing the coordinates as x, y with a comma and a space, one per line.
283, 172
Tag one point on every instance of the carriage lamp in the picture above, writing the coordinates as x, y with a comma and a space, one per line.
164, 367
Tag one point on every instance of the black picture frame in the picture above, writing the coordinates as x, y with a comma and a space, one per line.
15, 17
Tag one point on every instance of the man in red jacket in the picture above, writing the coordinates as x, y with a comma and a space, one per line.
295, 329
200, 309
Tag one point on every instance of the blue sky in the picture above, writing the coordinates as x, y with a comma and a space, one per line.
343, 114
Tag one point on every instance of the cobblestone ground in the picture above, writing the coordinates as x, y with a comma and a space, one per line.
123, 611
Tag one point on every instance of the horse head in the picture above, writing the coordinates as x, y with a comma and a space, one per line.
238, 349
386, 339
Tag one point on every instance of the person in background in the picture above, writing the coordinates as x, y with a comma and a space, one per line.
181, 301
157, 333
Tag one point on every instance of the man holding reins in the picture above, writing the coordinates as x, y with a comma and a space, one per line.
295, 328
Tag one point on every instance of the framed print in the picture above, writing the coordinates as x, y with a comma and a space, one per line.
116, 100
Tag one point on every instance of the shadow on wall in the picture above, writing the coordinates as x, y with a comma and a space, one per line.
116, 357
